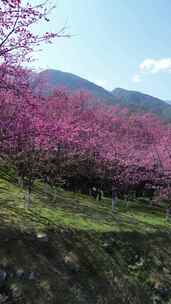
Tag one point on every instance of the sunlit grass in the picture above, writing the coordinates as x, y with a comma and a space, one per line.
60, 208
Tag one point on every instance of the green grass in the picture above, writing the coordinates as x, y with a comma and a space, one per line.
113, 258
66, 209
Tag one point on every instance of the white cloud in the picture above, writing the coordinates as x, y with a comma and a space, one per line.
154, 66
136, 78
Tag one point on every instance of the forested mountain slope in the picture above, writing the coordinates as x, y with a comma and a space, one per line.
135, 101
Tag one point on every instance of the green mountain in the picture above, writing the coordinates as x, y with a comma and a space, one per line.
56, 78
142, 102
135, 101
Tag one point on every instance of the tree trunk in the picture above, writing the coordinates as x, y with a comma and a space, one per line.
21, 181
28, 195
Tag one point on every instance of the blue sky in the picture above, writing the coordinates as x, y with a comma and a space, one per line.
114, 43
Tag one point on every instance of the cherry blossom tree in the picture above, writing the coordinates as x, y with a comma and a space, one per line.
19, 108
17, 39
100, 141
64, 136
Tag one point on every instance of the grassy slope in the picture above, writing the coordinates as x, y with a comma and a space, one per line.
86, 255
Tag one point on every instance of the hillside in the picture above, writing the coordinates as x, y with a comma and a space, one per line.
68, 248
135, 101
56, 78
142, 102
